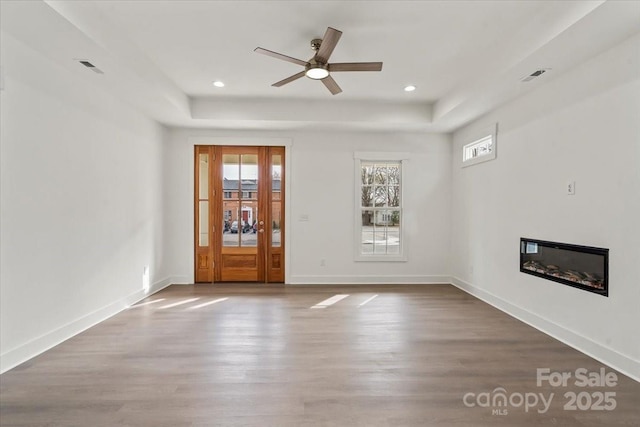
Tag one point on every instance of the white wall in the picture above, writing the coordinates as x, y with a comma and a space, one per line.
81, 204
585, 126
322, 187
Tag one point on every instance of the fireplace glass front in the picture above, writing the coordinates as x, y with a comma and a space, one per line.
582, 267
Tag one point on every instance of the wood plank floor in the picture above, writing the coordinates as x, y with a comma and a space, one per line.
263, 357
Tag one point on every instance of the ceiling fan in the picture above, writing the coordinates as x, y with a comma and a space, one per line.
318, 67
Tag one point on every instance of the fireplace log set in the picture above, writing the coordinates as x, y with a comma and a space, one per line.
584, 278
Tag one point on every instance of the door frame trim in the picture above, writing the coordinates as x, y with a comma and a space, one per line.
285, 142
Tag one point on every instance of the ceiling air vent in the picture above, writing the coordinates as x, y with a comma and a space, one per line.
90, 66
533, 75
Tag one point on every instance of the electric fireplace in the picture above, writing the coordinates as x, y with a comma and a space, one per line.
583, 267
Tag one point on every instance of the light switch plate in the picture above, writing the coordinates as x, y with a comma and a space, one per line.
571, 188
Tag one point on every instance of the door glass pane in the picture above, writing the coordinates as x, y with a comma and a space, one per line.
276, 176
249, 204
276, 209
249, 173
203, 181
230, 233
250, 223
276, 195
231, 175
203, 227
230, 199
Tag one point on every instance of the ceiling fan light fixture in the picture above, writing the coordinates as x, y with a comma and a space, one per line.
318, 67
317, 72
218, 83
409, 88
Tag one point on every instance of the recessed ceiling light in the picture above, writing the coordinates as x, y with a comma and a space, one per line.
218, 83
409, 88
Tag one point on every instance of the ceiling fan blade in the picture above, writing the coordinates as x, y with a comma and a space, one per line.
289, 79
331, 85
329, 42
280, 56
356, 66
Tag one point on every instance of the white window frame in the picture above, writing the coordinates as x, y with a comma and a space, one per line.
359, 158
481, 138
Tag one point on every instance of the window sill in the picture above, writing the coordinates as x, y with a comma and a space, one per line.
381, 258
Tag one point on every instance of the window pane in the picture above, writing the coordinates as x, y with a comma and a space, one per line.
203, 227
481, 147
203, 179
380, 241
387, 232
394, 218
380, 174
367, 237
366, 174
393, 199
366, 196
367, 218
393, 234
367, 240
393, 174
381, 196
276, 208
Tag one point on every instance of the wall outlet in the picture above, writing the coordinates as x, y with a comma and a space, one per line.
571, 188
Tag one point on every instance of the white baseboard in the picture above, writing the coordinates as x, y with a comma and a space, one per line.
369, 280
36, 346
181, 280
606, 355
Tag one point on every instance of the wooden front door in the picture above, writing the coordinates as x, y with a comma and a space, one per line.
239, 214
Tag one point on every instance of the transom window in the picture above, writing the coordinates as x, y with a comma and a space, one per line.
482, 148
479, 148
379, 210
